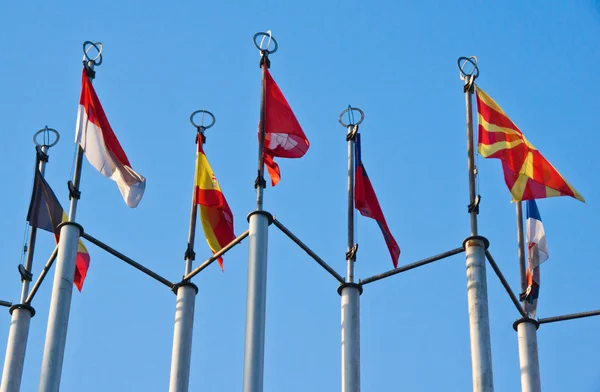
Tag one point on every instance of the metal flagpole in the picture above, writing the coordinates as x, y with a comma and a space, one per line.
22, 313
526, 327
350, 291
186, 294
259, 220
62, 288
475, 247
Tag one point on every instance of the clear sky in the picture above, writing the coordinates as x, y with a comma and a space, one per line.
396, 61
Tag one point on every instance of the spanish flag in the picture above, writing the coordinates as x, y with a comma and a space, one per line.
215, 214
46, 213
527, 173
284, 137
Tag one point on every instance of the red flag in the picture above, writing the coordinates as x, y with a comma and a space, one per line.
365, 201
284, 137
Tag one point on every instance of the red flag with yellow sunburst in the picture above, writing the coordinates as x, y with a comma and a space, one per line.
527, 173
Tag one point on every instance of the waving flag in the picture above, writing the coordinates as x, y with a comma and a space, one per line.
527, 173
284, 137
46, 213
538, 253
365, 201
215, 214
102, 149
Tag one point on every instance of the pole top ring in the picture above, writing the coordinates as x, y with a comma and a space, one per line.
350, 111
203, 127
462, 62
87, 45
266, 49
46, 140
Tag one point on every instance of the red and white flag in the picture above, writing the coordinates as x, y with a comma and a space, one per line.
102, 149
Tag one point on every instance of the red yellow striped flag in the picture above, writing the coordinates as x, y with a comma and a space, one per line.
215, 214
527, 173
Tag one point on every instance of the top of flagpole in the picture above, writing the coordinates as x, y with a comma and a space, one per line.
202, 128
264, 50
88, 62
351, 117
463, 62
46, 137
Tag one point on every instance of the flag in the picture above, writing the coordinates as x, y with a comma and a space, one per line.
46, 213
527, 173
538, 253
284, 137
102, 149
215, 214
365, 201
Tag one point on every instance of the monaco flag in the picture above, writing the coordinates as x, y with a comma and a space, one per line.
101, 147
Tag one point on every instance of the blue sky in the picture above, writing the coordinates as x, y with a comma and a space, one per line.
394, 60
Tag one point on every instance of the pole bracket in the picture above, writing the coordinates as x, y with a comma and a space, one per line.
261, 212
74, 193
351, 135
189, 253
22, 306
41, 155
474, 207
351, 254
355, 285
25, 275
71, 224
526, 320
260, 181
467, 241
176, 286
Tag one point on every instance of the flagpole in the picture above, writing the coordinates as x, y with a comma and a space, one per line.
526, 327
22, 312
475, 247
259, 221
62, 288
350, 291
186, 293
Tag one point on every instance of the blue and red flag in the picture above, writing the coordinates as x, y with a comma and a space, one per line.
538, 253
365, 201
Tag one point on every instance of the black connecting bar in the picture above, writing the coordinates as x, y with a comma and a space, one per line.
505, 284
571, 316
6, 303
126, 259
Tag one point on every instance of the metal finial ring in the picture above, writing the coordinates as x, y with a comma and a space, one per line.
46, 129
362, 116
205, 127
98, 46
462, 62
271, 39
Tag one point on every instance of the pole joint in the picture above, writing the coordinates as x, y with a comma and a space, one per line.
22, 306
357, 286
71, 224
260, 181
474, 207
261, 212
176, 286
469, 241
526, 320
189, 253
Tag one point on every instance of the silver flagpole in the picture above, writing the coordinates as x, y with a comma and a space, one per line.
62, 288
186, 294
526, 327
259, 220
350, 291
22, 313
475, 247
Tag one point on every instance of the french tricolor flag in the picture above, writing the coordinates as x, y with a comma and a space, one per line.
101, 147
538, 253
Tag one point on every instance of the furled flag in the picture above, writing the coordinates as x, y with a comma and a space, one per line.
284, 137
46, 213
102, 149
365, 201
527, 173
538, 253
215, 214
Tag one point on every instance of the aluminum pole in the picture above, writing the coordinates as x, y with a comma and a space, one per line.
350, 291
527, 329
184, 312
62, 291
475, 247
21, 314
256, 296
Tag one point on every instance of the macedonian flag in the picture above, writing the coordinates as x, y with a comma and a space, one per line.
215, 214
527, 173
